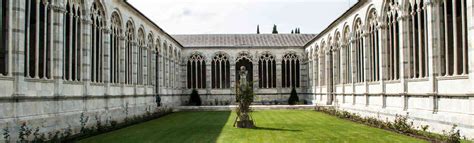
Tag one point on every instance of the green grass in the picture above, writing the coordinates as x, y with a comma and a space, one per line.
273, 126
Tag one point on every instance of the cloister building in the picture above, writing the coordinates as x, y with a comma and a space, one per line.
63, 59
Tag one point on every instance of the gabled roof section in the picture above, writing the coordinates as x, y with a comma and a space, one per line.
353, 8
244, 40
152, 22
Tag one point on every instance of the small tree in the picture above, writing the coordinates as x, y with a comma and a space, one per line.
293, 100
194, 99
258, 29
275, 31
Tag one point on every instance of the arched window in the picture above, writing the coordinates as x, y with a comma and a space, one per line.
116, 27
129, 44
97, 42
38, 39
347, 56
329, 69
72, 48
149, 60
291, 71
170, 67
373, 50
322, 64
418, 47
267, 71
309, 55
179, 69
140, 56
337, 59
196, 69
3, 42
454, 53
220, 68
359, 51
165, 64
157, 64
393, 46
173, 67
316, 56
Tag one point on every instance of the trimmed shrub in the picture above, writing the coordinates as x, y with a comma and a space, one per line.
293, 100
194, 99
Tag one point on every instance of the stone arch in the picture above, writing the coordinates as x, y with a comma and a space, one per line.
220, 70
244, 55
245, 59
129, 46
196, 71
267, 70
158, 44
290, 66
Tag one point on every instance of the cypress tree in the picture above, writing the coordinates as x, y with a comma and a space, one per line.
195, 99
293, 100
275, 31
258, 29
292, 32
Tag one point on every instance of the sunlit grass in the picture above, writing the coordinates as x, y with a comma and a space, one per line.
273, 126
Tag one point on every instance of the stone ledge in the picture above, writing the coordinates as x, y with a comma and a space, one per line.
253, 107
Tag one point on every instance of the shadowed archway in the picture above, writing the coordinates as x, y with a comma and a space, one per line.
248, 66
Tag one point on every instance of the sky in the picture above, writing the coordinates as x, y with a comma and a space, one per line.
241, 16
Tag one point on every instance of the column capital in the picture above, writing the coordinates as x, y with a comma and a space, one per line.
366, 34
58, 8
430, 3
382, 25
106, 30
86, 20
404, 17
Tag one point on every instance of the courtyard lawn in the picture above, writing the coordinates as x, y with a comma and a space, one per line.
273, 126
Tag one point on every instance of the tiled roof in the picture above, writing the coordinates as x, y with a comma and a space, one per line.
244, 40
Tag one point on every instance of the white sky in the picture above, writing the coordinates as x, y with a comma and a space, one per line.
241, 16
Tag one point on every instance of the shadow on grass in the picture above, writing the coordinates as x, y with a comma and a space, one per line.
176, 127
275, 129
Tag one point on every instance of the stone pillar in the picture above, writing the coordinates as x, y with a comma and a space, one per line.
232, 74
402, 22
310, 75
433, 14
279, 73
122, 63
166, 72
15, 43
57, 46
315, 75
328, 75
106, 59
160, 72
366, 50
86, 51
255, 72
208, 76
354, 67
382, 29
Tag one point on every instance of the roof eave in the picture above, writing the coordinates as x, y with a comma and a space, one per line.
335, 22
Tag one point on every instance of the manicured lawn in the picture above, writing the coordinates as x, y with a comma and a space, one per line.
274, 126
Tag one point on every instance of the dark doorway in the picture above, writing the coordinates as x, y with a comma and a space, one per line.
248, 66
